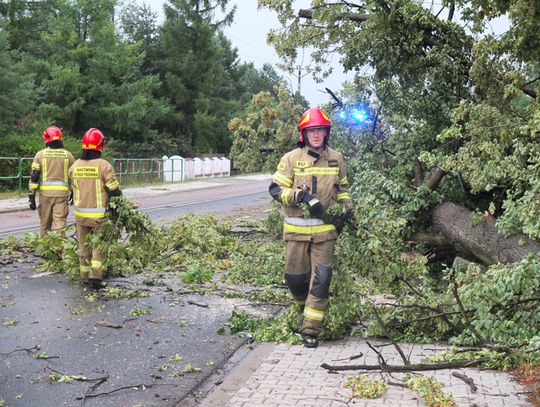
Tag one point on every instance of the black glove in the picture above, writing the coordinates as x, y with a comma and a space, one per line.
32, 202
315, 207
341, 220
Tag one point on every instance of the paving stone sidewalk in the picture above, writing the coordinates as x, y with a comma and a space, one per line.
292, 376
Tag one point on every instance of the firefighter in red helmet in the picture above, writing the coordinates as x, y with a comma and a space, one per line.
49, 179
94, 182
314, 175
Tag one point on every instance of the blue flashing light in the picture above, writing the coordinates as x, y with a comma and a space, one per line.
359, 115
342, 115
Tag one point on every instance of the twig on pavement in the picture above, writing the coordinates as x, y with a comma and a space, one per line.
134, 387
349, 358
198, 304
31, 350
99, 382
467, 380
379, 355
385, 332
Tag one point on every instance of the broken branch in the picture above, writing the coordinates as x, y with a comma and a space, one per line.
467, 380
409, 368
359, 18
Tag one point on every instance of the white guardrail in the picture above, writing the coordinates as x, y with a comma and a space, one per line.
176, 168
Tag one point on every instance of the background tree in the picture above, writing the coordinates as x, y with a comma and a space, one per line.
138, 25
152, 89
25, 21
90, 78
267, 130
16, 88
190, 68
254, 80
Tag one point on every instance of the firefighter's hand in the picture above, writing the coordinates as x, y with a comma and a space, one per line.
32, 202
315, 207
346, 218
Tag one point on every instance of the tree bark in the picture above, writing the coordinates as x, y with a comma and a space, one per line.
429, 239
435, 179
482, 241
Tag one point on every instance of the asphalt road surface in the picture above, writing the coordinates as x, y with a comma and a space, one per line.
226, 199
61, 345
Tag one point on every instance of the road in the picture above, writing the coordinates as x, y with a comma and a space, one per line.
224, 198
117, 354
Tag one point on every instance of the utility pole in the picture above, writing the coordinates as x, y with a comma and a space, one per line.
299, 88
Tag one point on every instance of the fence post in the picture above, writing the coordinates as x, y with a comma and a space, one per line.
20, 175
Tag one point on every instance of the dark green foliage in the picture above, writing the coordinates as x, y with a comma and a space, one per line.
96, 80
151, 89
16, 87
198, 68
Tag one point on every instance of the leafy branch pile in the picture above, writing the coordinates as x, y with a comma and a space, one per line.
363, 387
430, 389
501, 359
128, 239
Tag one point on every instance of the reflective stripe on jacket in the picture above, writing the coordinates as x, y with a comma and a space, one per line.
52, 166
91, 180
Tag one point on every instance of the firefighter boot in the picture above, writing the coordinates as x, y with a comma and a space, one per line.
97, 284
310, 340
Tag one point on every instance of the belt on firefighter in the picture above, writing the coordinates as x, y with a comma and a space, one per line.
290, 220
90, 212
306, 226
54, 185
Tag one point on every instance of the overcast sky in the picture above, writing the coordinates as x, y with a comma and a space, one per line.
248, 35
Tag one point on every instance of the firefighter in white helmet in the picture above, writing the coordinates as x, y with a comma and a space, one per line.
315, 175
49, 179
94, 182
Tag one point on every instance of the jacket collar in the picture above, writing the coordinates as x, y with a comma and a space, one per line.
313, 155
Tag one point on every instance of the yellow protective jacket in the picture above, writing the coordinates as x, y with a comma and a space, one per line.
49, 174
322, 175
92, 181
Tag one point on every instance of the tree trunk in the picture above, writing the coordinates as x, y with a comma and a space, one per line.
483, 241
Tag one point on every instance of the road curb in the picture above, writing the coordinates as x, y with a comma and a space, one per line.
9, 210
225, 382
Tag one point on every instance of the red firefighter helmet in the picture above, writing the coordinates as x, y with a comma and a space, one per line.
52, 133
93, 139
313, 118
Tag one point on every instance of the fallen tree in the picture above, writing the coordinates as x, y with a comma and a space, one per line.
483, 241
